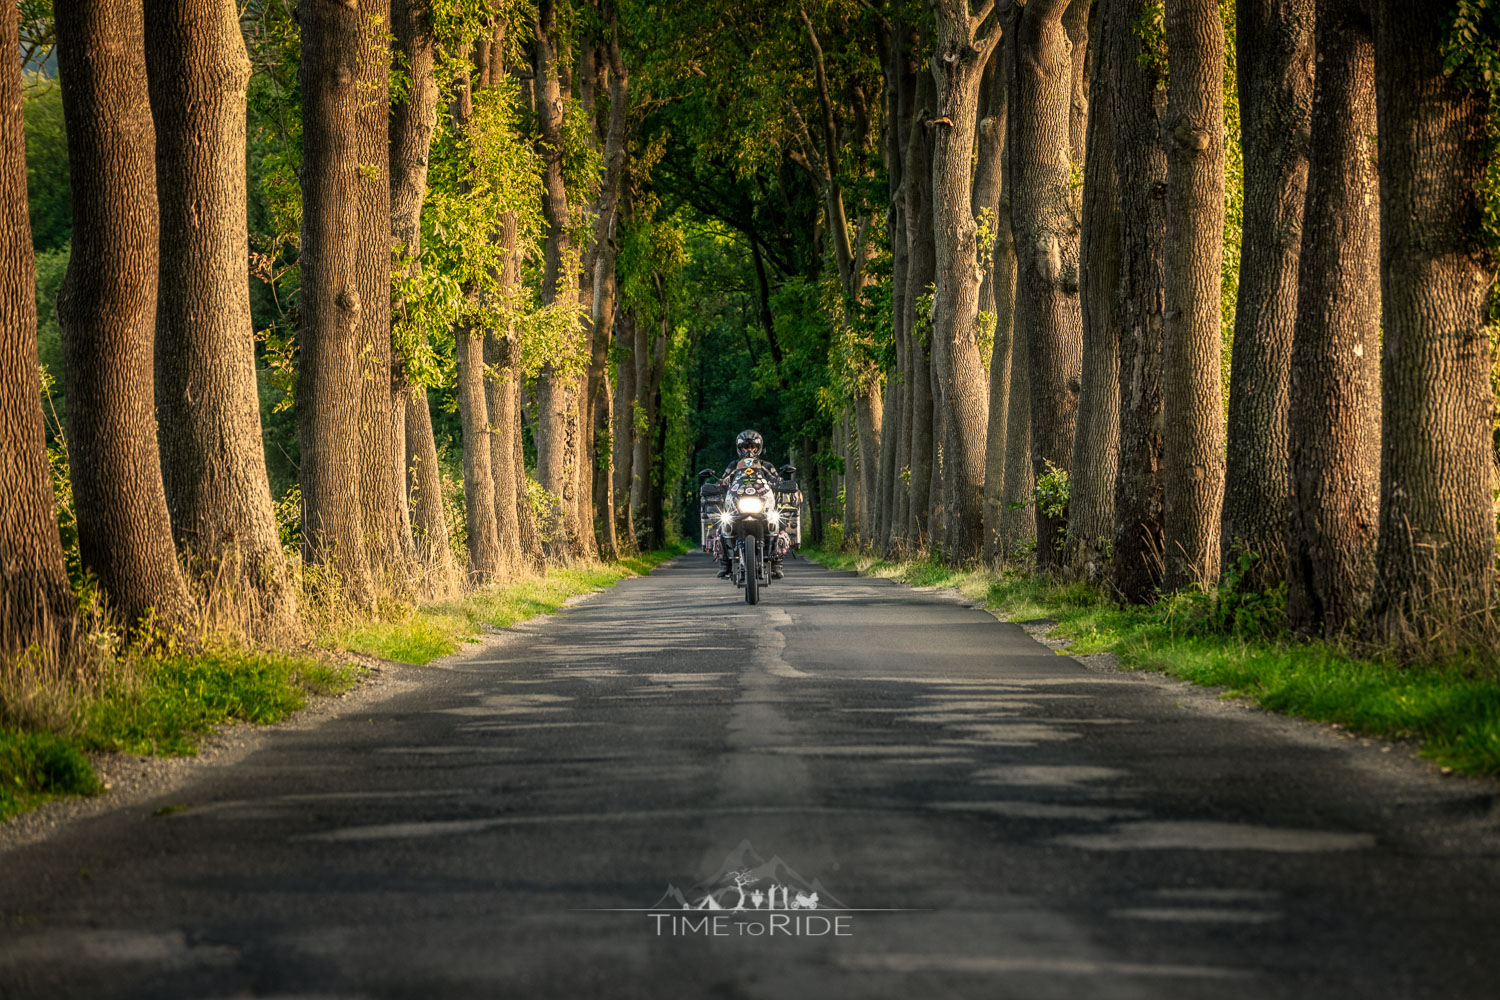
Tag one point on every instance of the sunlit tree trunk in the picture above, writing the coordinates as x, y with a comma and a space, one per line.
411, 125
624, 430
1001, 287
207, 405
1435, 565
1275, 66
557, 414
328, 377
107, 311
37, 610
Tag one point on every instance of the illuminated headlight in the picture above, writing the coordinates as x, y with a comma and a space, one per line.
751, 505
774, 517
725, 518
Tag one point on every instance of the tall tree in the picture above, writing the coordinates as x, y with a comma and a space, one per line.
1436, 557
1141, 174
107, 312
411, 126
1335, 389
1002, 284
329, 383
1192, 424
37, 610
1046, 228
1274, 60
921, 272
602, 311
964, 44
379, 470
207, 406
1096, 441
557, 415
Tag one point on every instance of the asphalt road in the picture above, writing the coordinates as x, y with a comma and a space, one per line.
979, 817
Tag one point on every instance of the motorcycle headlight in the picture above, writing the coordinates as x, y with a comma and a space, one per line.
751, 505
774, 518
726, 518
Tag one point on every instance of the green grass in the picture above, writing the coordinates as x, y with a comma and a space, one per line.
1453, 709
35, 767
421, 635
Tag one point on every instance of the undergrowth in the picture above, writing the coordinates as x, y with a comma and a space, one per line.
1237, 642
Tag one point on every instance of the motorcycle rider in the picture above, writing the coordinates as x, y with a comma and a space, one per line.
751, 447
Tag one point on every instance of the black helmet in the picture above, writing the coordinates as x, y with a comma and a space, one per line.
749, 444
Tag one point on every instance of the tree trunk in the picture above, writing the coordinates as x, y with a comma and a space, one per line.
624, 431
378, 471
1436, 558
411, 125
37, 610
502, 387
1192, 413
1141, 175
1002, 293
1046, 231
557, 413
599, 451
328, 395
849, 435
1016, 533
921, 273
429, 524
107, 310
963, 49
645, 421
1335, 385
1275, 64
867, 414
207, 405
1096, 441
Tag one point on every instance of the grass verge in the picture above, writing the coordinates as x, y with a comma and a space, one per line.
164, 704
1220, 640
420, 635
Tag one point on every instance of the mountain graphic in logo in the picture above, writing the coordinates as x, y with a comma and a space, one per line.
747, 881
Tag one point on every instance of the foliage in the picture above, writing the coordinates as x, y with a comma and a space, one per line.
48, 185
1051, 493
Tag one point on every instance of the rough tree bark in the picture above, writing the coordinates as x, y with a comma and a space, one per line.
964, 46
502, 388
37, 609
1436, 557
1096, 441
1046, 231
1334, 457
378, 469
1192, 413
207, 405
898, 92
1141, 174
557, 414
1275, 67
328, 383
411, 126
107, 313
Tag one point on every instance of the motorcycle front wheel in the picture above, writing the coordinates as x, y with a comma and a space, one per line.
752, 571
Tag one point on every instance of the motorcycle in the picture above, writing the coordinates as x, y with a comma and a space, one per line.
752, 519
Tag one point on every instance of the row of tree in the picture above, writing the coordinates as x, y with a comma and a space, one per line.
441, 196
975, 265
1057, 184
